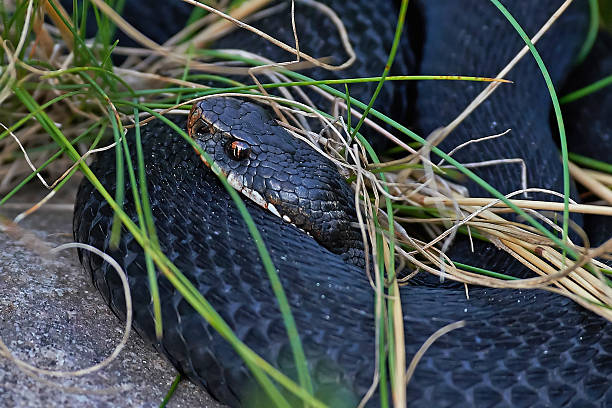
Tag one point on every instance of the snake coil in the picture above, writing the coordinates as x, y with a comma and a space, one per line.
518, 348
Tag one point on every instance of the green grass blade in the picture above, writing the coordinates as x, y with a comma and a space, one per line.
484, 271
591, 163
396, 40
119, 184
148, 227
171, 391
557, 109
587, 90
348, 107
294, 339
152, 277
238, 87
592, 33
258, 366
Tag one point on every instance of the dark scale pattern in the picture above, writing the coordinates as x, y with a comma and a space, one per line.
529, 348
589, 127
517, 349
454, 44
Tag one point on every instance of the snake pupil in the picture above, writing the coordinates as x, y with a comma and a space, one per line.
237, 149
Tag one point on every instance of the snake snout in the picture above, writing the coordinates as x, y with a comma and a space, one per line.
267, 164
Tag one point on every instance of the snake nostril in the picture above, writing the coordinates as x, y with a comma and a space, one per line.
200, 128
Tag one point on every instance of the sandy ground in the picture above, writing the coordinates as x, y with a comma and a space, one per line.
52, 317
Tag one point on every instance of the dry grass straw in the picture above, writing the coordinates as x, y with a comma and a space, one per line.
420, 186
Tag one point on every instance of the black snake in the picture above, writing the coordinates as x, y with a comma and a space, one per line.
518, 348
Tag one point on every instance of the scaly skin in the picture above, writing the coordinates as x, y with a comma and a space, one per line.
519, 348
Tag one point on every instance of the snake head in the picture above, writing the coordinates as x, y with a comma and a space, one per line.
277, 171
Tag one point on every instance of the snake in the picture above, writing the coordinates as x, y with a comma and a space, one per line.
519, 348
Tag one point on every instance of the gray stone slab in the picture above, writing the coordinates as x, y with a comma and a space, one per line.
52, 317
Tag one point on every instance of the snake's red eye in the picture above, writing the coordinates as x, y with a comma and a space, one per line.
237, 149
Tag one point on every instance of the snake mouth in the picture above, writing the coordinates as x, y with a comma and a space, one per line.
253, 195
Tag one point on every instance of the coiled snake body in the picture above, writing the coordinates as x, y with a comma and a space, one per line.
518, 348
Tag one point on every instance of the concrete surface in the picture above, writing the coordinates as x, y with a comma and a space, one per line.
52, 317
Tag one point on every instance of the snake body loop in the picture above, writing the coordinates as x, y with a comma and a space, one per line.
518, 348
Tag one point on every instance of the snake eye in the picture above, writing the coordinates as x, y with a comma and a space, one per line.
237, 149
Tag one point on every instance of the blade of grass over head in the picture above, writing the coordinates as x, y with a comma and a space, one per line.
237, 87
300, 359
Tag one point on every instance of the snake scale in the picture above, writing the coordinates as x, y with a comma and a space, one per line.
518, 348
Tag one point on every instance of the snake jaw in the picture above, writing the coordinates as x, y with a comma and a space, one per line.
253, 195
248, 192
